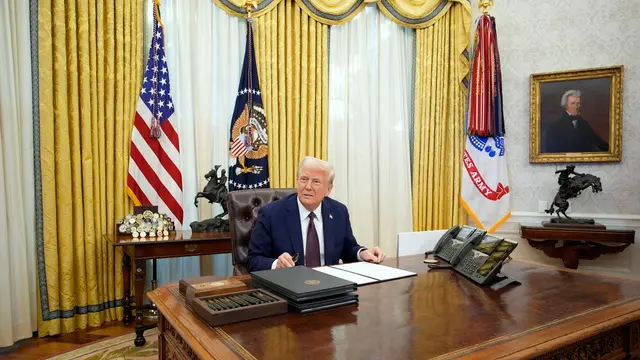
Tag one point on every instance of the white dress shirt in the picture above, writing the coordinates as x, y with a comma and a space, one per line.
304, 225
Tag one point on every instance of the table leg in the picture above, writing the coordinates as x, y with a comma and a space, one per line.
141, 270
126, 269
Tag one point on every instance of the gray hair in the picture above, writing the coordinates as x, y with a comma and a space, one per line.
565, 96
309, 162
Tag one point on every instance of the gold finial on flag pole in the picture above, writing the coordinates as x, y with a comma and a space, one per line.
249, 5
485, 5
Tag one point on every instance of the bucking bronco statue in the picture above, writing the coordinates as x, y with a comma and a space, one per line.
571, 187
216, 192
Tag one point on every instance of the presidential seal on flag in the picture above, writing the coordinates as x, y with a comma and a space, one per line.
249, 135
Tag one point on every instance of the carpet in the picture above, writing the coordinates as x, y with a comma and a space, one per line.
120, 347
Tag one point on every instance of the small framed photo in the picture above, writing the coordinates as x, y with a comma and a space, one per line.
576, 116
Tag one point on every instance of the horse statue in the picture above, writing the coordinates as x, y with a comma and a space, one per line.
216, 192
571, 187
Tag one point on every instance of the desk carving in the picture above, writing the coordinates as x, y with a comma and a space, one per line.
191, 247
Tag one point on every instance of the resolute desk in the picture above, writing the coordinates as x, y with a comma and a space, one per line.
554, 313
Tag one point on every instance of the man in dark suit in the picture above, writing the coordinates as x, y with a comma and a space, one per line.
307, 223
571, 133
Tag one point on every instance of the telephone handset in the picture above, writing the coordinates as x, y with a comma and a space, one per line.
470, 242
454, 240
475, 254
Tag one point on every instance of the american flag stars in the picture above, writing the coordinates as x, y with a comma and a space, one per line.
156, 87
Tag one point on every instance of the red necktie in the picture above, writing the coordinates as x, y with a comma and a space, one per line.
312, 256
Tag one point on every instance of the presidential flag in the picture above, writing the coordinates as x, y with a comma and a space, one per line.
248, 143
154, 161
485, 179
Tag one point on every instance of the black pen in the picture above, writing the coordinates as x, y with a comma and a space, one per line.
295, 257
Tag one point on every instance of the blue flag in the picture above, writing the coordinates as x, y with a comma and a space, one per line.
248, 146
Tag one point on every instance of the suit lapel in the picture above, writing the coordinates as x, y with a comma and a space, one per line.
294, 228
327, 230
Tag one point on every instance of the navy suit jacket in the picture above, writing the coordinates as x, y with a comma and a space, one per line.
278, 230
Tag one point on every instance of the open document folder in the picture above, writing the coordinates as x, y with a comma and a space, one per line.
363, 273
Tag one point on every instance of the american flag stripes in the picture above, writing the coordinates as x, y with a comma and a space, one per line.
154, 162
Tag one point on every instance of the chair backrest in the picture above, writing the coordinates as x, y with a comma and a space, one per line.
412, 243
243, 208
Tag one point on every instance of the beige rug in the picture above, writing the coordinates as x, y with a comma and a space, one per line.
120, 347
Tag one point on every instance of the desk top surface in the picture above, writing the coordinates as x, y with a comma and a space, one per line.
438, 314
173, 237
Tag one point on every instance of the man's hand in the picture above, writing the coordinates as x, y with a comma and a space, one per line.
284, 261
374, 255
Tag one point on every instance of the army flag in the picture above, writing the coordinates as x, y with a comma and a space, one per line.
248, 143
485, 179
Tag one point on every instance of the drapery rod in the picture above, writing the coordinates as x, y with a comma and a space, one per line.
485, 5
249, 5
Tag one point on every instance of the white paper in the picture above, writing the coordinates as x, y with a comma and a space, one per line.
376, 271
345, 275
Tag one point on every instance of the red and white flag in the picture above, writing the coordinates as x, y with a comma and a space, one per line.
154, 161
485, 179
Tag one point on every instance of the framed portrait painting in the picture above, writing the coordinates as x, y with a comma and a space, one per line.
576, 116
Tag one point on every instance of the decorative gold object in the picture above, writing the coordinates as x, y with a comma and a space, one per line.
485, 5
597, 95
249, 5
191, 248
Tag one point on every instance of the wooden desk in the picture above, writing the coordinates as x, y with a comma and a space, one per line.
577, 243
177, 244
554, 313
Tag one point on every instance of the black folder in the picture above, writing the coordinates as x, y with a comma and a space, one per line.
305, 289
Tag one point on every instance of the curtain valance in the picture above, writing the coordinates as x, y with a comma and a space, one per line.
409, 13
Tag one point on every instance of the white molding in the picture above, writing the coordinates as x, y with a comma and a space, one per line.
512, 225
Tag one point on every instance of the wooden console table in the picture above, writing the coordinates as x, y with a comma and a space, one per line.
577, 243
555, 313
177, 244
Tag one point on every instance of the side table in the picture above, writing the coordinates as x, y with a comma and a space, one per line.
177, 244
572, 243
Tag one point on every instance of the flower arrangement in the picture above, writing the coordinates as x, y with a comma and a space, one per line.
146, 224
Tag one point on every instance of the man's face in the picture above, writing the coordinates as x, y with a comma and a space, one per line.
313, 186
573, 105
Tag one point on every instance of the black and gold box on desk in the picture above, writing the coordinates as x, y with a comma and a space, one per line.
234, 307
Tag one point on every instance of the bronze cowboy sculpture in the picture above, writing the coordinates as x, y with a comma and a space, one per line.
571, 187
216, 192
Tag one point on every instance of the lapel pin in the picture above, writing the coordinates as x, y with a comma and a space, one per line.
330, 216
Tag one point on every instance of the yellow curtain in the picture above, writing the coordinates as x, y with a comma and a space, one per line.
329, 12
416, 13
440, 100
293, 67
90, 66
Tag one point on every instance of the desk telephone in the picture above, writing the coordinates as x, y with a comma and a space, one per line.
473, 253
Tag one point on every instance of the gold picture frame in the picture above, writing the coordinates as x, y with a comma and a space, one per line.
559, 131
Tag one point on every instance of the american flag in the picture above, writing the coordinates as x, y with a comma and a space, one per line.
154, 161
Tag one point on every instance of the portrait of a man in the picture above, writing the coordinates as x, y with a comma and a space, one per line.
571, 133
576, 116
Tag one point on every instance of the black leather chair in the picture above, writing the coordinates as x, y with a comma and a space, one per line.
243, 208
